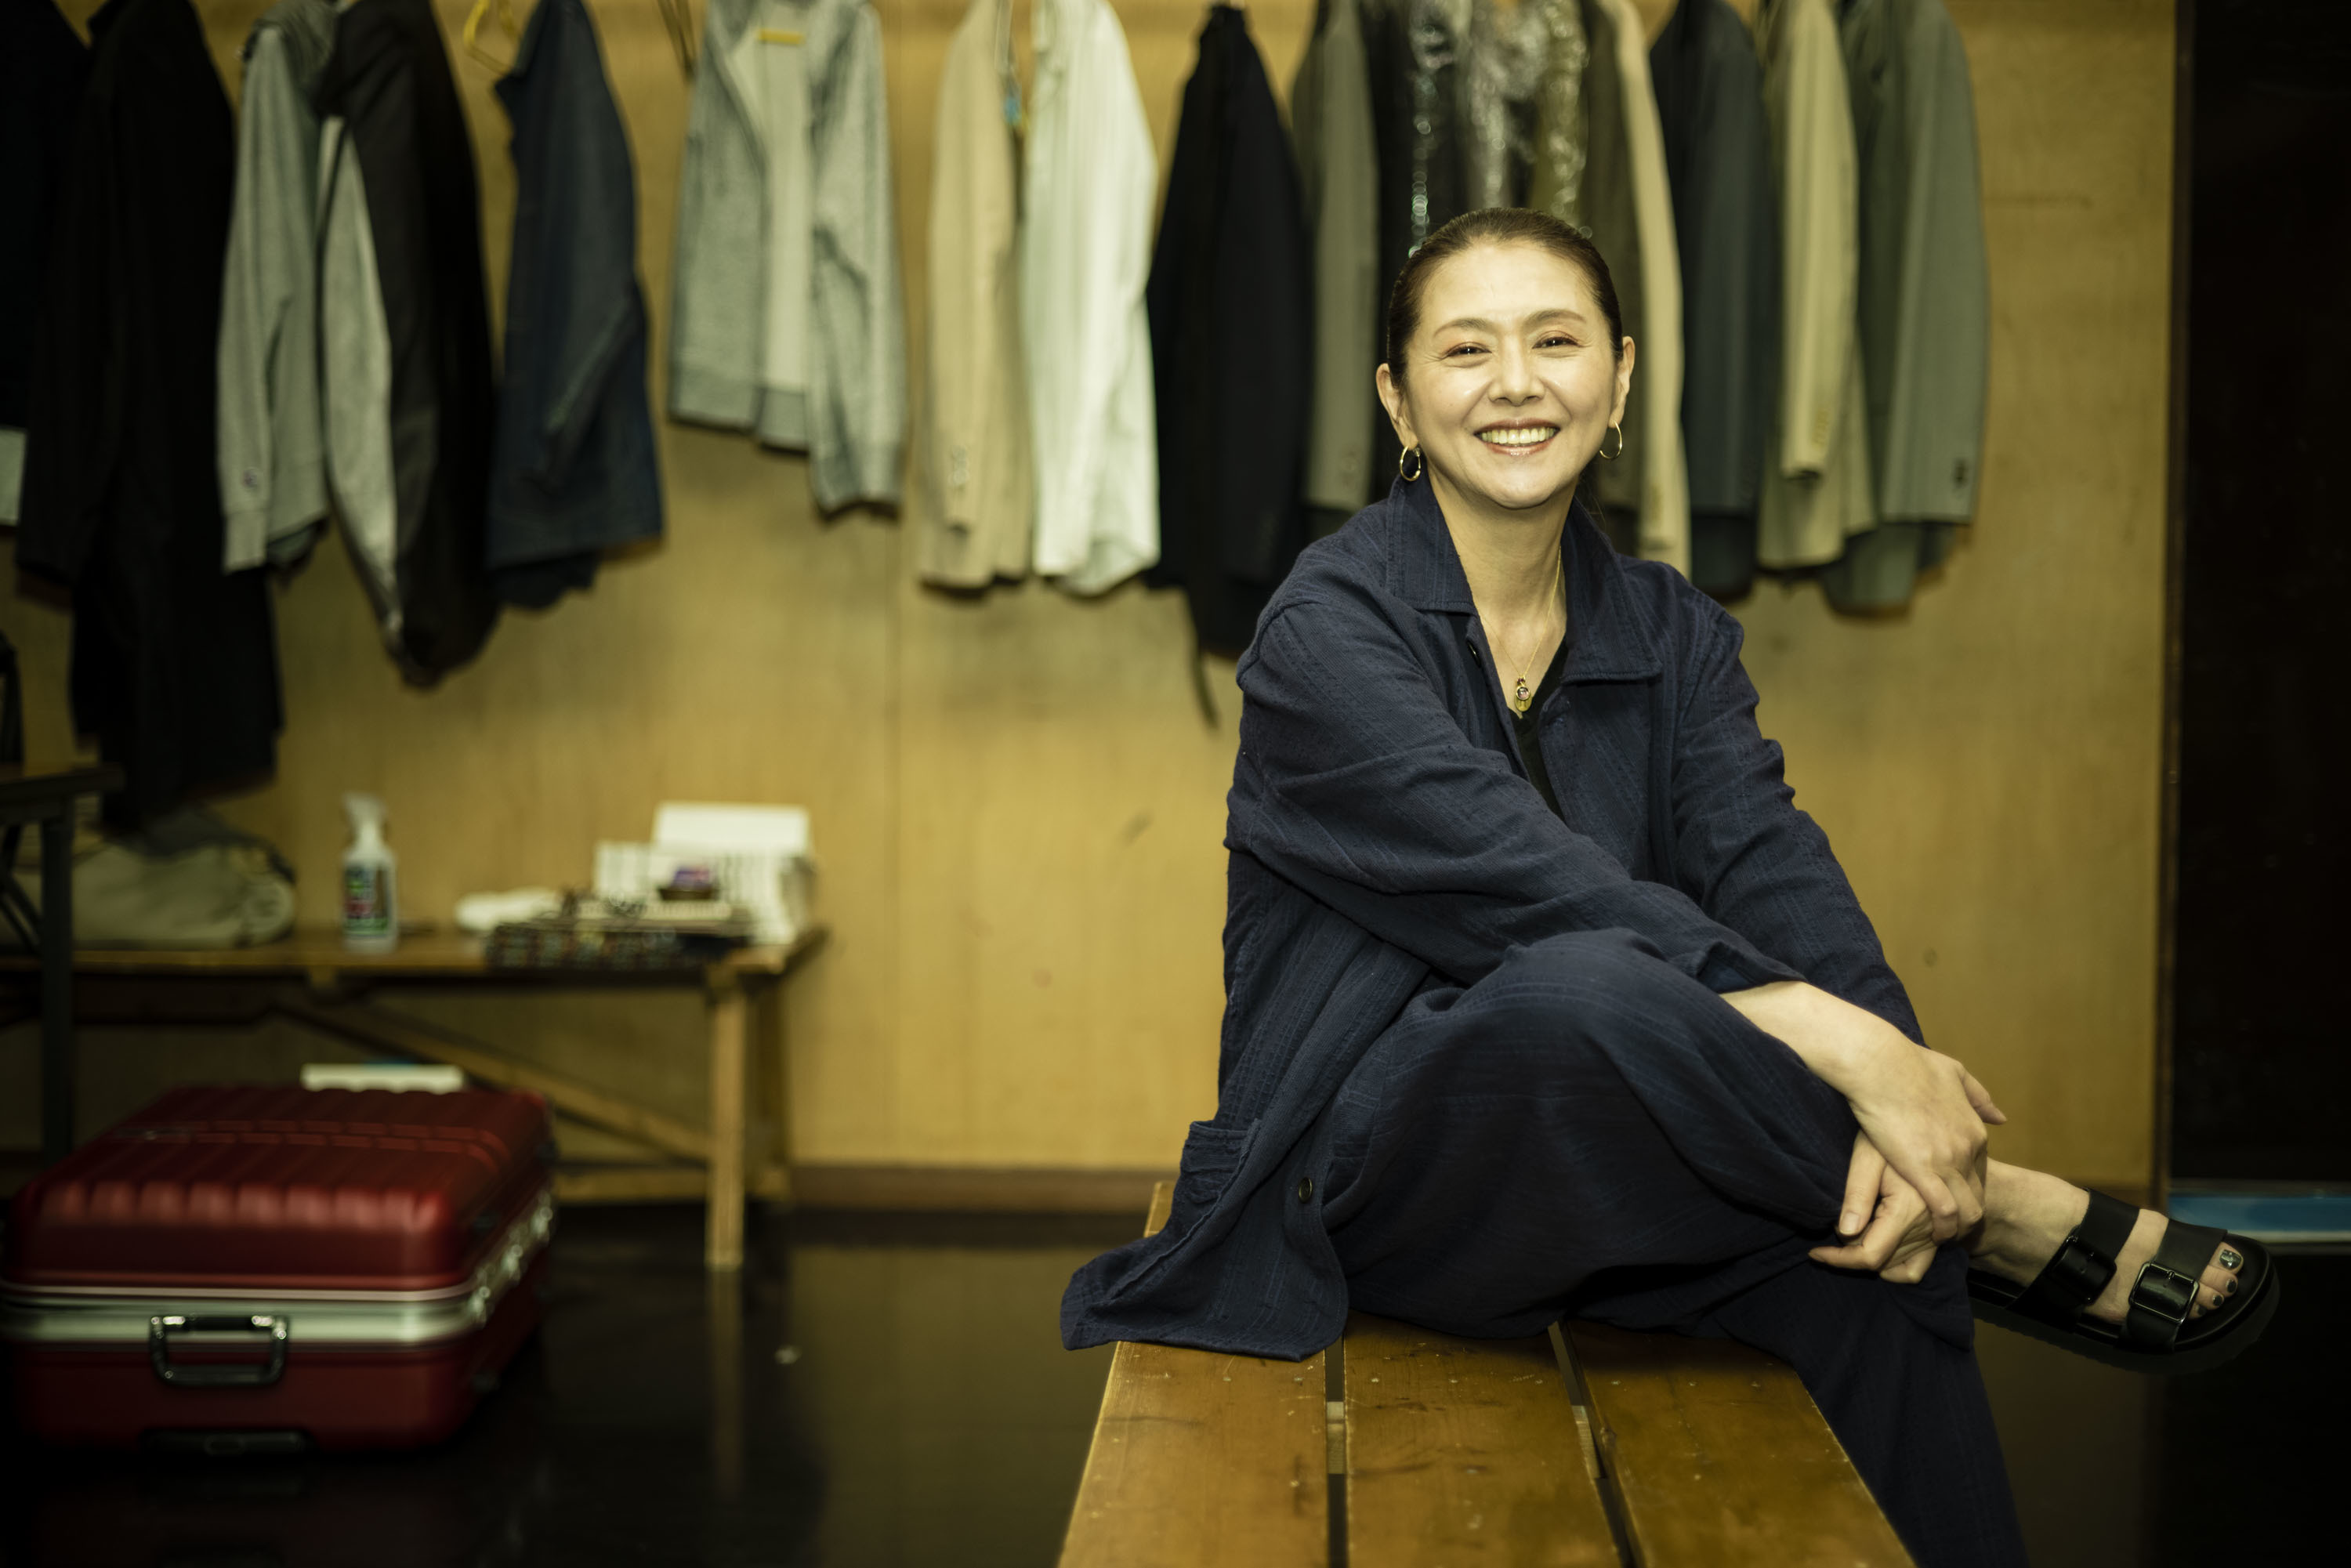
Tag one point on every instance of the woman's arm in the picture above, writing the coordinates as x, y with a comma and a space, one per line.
1356, 783
1920, 1109
1743, 850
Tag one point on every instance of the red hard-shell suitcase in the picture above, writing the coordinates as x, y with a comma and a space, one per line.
243, 1268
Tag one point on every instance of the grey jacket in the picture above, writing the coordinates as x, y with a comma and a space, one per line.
786, 318
1925, 305
1339, 165
1924, 299
273, 473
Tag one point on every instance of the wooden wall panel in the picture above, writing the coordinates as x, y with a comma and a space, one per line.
1019, 803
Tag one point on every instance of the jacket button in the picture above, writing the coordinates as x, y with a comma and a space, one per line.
1306, 1189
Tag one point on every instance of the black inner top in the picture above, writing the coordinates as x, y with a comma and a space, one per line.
1527, 724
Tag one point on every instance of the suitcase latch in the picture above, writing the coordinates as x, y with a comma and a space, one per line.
218, 1374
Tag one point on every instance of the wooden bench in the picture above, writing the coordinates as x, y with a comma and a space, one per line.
309, 977
1405, 1448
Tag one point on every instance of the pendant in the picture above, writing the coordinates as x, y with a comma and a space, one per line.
1522, 697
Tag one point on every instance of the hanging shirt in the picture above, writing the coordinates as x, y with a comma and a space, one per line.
1085, 253
974, 447
273, 469
1562, 127
1925, 305
1710, 88
573, 468
175, 663
1816, 489
786, 316
405, 329
1658, 366
1338, 175
42, 66
1231, 324
1504, 60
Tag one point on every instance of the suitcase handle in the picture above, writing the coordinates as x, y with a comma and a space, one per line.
218, 1374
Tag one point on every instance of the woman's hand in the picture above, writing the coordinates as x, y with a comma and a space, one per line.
1920, 1109
1896, 1242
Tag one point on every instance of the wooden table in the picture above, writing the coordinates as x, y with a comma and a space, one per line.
310, 978
44, 794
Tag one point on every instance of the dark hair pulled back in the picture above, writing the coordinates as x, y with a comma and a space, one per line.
1496, 225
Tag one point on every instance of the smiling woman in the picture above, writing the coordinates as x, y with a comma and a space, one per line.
1503, 399
1544, 1000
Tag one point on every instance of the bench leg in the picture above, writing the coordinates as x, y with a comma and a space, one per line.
726, 1007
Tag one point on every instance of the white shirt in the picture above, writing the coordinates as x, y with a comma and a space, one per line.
1085, 253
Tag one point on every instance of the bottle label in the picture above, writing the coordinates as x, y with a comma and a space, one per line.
364, 911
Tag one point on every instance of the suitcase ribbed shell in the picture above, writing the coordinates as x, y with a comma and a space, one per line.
281, 1188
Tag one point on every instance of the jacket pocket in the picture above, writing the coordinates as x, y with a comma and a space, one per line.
1212, 1156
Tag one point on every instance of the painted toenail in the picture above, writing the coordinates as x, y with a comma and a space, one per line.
2233, 1287
2231, 1258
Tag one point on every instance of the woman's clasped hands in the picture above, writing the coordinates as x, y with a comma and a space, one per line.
1916, 1177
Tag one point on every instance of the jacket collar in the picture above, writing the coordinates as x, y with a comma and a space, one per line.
1612, 634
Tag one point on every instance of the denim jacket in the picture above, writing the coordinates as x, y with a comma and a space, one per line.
1385, 840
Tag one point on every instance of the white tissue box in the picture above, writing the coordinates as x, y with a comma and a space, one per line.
757, 858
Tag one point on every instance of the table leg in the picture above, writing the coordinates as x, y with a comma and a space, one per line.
56, 985
772, 1175
726, 1006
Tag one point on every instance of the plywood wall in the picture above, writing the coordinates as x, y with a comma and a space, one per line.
1019, 804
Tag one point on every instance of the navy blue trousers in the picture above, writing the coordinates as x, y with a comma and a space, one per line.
1589, 1132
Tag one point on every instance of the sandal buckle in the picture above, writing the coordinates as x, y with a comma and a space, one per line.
2166, 1292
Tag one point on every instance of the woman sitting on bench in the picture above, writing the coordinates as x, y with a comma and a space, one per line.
1544, 1000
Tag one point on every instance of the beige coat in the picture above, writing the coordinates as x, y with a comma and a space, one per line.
1816, 487
972, 445
1657, 358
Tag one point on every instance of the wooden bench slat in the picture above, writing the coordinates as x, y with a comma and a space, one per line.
1462, 1452
1202, 1460
1720, 1460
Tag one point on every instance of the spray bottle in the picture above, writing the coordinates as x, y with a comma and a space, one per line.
370, 879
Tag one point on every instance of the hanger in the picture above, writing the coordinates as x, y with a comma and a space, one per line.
677, 20
474, 20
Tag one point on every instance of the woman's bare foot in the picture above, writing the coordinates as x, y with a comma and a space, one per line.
2028, 1215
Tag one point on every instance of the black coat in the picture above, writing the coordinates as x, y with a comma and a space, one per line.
576, 470
1386, 845
175, 663
1709, 89
1231, 344
42, 67
1414, 61
388, 79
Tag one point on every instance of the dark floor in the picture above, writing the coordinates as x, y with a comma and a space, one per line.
892, 1391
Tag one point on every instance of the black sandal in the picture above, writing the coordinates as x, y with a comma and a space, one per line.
2157, 1335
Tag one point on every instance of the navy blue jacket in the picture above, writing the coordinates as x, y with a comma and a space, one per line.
1385, 840
574, 471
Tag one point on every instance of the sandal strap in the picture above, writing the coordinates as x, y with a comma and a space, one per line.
2165, 1291
2084, 1263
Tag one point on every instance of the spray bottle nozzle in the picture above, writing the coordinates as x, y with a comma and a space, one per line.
366, 815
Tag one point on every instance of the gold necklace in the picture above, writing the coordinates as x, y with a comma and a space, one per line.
1522, 696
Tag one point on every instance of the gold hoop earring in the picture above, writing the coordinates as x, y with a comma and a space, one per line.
1608, 456
1419, 464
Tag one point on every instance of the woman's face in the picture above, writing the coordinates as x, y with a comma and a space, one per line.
1509, 382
